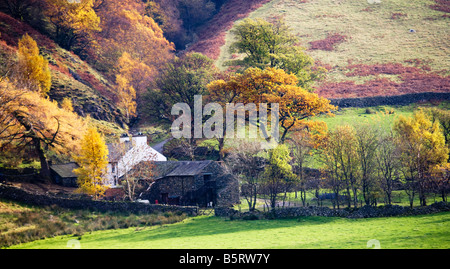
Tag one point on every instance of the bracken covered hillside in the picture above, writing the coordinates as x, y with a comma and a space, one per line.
389, 48
91, 93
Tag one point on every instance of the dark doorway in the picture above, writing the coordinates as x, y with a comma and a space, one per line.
174, 200
164, 198
210, 191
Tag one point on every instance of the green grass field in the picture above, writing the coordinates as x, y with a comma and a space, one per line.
413, 232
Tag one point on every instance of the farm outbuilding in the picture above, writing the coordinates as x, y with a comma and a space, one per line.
200, 183
63, 174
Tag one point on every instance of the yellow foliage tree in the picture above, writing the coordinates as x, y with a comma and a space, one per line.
422, 146
93, 162
126, 92
67, 104
72, 20
33, 68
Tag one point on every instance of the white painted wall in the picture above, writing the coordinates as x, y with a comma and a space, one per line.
138, 153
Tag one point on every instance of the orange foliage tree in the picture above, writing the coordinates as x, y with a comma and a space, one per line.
126, 28
132, 45
30, 121
126, 83
271, 85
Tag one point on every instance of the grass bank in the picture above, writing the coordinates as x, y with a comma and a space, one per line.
22, 223
206, 232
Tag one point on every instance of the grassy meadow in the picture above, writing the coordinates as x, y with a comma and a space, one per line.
206, 232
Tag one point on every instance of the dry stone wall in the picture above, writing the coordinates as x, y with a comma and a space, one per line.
362, 212
18, 195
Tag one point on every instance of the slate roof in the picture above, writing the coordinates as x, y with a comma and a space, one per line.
64, 170
180, 168
115, 151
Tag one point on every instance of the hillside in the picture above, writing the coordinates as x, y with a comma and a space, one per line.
91, 93
391, 48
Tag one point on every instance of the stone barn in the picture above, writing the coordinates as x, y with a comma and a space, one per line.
63, 174
197, 183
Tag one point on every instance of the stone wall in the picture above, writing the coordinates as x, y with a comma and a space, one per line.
405, 99
18, 195
363, 212
192, 189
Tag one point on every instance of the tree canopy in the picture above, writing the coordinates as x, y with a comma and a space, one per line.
270, 44
272, 85
93, 161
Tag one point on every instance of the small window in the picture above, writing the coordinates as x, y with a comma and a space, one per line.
206, 178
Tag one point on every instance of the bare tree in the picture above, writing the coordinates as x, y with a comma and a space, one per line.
245, 162
366, 138
340, 160
134, 166
301, 147
387, 164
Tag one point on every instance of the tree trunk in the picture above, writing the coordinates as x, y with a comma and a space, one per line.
45, 169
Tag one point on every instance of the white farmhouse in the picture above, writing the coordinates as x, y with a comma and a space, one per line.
127, 154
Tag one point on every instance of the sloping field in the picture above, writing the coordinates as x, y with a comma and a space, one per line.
370, 49
413, 232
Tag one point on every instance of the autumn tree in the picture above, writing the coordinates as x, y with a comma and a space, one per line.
32, 69
272, 86
126, 28
271, 44
74, 22
422, 147
340, 160
30, 121
180, 81
245, 161
443, 117
167, 15
67, 104
277, 176
302, 144
93, 161
126, 92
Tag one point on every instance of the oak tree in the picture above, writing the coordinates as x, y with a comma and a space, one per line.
272, 86
271, 44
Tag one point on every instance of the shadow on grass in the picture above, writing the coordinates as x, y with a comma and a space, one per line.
207, 226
